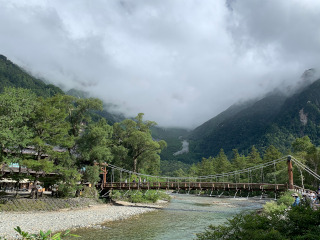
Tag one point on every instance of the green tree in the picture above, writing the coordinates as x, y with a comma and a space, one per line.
238, 161
79, 112
222, 163
49, 125
254, 157
16, 106
49, 130
134, 146
302, 145
94, 146
193, 170
308, 154
179, 173
274, 172
206, 167
91, 174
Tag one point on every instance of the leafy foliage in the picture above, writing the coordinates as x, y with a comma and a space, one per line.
66, 141
150, 196
134, 146
43, 235
297, 223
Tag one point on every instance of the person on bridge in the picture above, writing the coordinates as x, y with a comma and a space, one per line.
296, 200
313, 197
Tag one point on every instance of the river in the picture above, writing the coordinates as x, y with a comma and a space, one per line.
182, 218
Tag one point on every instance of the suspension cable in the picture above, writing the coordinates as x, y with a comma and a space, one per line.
304, 167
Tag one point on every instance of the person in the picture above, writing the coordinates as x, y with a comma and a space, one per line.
296, 199
39, 189
304, 198
313, 198
54, 191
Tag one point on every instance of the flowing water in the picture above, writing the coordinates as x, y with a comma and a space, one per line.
184, 216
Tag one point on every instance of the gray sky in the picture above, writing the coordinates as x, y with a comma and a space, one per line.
181, 62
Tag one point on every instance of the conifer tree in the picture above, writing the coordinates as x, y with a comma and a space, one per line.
271, 173
254, 157
239, 162
222, 163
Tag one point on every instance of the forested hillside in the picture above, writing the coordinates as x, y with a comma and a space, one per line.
12, 75
299, 116
274, 120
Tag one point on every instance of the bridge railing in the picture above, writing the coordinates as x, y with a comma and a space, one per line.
197, 185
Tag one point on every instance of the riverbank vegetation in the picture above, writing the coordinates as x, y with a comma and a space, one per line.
45, 204
143, 196
277, 221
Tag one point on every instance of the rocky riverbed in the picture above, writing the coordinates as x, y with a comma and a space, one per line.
92, 216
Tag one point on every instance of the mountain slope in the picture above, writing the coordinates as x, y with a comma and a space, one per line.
300, 116
208, 127
240, 130
275, 119
12, 75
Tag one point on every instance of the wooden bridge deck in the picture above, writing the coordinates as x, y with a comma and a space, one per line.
196, 186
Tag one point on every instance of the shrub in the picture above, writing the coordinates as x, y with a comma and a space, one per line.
116, 195
137, 197
299, 222
286, 199
89, 192
273, 206
65, 190
140, 196
152, 196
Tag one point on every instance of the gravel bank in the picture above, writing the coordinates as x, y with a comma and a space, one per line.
67, 219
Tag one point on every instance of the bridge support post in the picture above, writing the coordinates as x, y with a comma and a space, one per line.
290, 173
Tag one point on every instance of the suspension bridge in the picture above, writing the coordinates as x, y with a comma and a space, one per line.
239, 180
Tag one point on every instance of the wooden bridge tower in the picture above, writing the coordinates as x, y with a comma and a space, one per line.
290, 173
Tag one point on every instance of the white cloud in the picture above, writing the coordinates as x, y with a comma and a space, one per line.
180, 62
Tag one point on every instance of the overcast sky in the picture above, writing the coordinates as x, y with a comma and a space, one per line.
181, 62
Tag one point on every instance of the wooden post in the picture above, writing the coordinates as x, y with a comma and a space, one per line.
104, 174
290, 173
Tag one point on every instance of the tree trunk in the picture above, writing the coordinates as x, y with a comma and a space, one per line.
39, 155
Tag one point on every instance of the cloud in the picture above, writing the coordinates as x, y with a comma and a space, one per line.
180, 62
